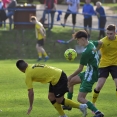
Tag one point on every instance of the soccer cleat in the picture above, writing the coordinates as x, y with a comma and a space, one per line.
83, 108
99, 115
63, 116
46, 58
39, 59
66, 108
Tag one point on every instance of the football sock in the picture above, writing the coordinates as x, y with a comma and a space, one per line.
40, 55
45, 54
68, 102
95, 96
58, 108
91, 106
69, 95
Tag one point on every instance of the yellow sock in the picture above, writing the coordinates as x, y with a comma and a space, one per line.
59, 108
40, 55
45, 54
70, 103
95, 96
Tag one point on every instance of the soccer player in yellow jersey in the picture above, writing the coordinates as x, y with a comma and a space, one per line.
57, 88
40, 35
108, 61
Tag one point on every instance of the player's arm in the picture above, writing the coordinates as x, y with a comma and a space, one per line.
31, 98
80, 68
43, 31
99, 45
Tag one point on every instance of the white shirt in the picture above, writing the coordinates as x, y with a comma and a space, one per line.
74, 6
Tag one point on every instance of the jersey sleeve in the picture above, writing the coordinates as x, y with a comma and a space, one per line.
29, 82
95, 43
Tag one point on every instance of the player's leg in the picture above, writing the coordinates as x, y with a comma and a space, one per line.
103, 74
39, 51
113, 72
56, 105
85, 88
60, 89
40, 47
71, 82
99, 86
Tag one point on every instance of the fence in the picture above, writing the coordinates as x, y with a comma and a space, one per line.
79, 23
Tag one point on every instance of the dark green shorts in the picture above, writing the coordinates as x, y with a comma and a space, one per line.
87, 81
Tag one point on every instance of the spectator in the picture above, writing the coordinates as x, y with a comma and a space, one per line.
88, 11
11, 11
5, 3
50, 8
2, 14
102, 19
73, 8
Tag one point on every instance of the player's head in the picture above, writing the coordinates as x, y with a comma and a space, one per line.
21, 65
81, 37
111, 31
33, 19
98, 4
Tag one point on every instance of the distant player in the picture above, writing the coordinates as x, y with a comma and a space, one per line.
87, 79
108, 61
57, 88
40, 35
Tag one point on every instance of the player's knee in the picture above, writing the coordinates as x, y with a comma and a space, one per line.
50, 97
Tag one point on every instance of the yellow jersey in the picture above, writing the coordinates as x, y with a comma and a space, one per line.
108, 52
42, 73
39, 36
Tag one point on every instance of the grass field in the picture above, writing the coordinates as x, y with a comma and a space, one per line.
14, 100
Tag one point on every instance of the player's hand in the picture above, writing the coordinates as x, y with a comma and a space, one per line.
29, 110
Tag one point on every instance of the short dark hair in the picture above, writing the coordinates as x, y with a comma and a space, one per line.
80, 34
21, 64
111, 27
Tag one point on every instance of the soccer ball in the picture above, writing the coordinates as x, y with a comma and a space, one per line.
70, 54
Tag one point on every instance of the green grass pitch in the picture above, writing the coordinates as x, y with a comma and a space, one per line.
14, 98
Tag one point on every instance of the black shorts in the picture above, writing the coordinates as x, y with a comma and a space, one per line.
61, 87
88, 22
40, 42
104, 72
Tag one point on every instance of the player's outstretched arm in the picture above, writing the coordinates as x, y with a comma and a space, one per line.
31, 98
